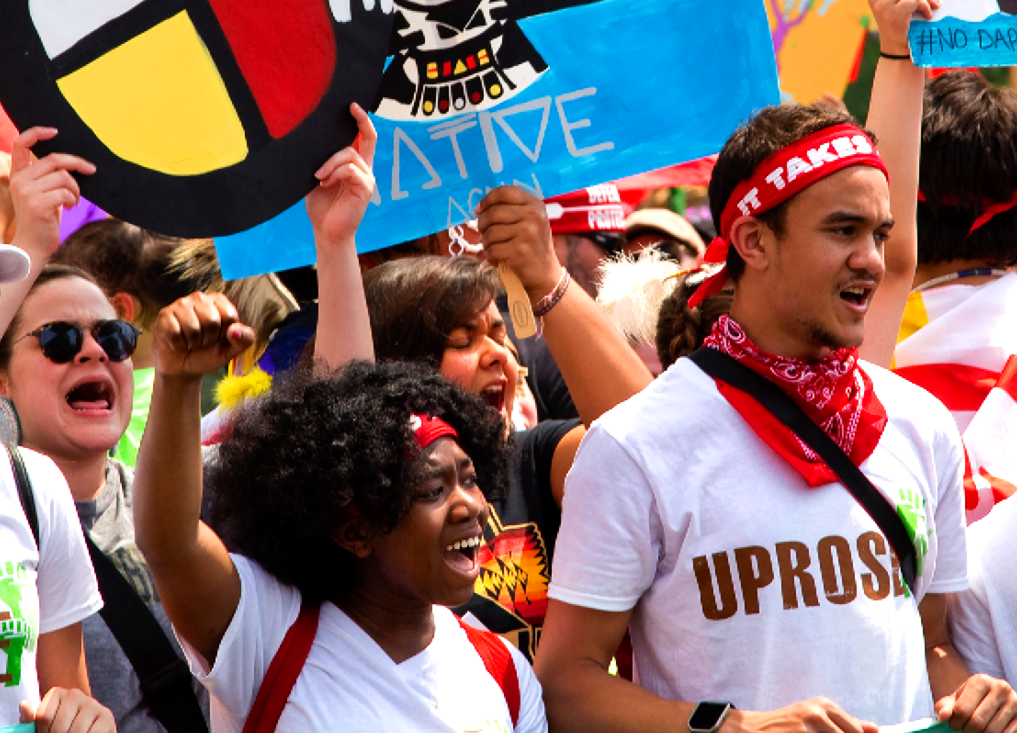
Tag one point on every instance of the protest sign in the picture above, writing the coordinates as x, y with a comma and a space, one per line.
817, 45
967, 33
203, 117
579, 95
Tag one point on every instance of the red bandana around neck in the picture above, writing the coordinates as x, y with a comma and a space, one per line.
834, 392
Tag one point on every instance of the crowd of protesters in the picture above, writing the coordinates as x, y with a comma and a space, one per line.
760, 485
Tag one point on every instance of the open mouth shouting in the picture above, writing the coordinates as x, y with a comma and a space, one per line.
92, 397
494, 395
462, 556
857, 297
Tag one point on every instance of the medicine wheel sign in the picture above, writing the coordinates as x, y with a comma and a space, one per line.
203, 117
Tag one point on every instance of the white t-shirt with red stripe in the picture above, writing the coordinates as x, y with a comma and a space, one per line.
745, 584
348, 682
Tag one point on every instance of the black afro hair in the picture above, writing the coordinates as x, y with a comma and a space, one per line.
296, 460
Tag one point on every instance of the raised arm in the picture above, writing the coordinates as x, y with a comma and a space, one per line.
195, 577
895, 116
40, 189
599, 367
335, 209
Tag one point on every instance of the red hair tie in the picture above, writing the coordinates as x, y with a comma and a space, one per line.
426, 430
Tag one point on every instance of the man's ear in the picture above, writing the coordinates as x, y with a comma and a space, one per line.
355, 536
751, 239
5, 389
126, 305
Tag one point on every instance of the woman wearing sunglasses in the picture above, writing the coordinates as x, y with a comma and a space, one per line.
65, 367
47, 587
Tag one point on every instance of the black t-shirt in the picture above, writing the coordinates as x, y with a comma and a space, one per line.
510, 596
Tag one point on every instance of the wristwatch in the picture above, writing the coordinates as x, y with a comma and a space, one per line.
708, 716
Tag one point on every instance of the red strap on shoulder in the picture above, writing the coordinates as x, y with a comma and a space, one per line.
499, 664
283, 672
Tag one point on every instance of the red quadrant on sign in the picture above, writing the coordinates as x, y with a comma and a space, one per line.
287, 76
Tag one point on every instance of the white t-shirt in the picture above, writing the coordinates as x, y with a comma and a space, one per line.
983, 619
745, 584
38, 594
348, 682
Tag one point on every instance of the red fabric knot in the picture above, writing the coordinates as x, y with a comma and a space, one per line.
716, 253
834, 392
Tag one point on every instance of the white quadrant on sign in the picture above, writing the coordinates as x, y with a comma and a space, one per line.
62, 23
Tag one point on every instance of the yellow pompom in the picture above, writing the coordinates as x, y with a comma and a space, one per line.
231, 391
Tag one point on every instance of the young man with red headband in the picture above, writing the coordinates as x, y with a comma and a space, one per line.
747, 575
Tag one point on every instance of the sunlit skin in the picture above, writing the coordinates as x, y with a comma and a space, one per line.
806, 293
51, 424
405, 572
477, 358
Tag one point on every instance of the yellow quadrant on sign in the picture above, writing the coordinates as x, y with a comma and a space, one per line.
158, 101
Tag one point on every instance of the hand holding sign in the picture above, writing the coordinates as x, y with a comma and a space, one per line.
517, 238
966, 33
345, 187
894, 19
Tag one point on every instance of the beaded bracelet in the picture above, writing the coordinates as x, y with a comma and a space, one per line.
549, 301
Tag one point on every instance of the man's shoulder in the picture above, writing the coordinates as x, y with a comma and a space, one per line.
676, 398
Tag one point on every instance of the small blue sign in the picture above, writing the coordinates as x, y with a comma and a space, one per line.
553, 102
961, 38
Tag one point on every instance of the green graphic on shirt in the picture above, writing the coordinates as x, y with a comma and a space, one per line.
15, 632
911, 510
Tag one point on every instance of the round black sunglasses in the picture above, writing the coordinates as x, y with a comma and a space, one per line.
61, 341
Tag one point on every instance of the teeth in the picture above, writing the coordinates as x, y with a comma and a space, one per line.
465, 544
855, 291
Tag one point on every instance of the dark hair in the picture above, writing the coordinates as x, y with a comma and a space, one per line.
124, 258
681, 330
969, 155
415, 303
48, 274
317, 444
770, 130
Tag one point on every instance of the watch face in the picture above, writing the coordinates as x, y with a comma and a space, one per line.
707, 715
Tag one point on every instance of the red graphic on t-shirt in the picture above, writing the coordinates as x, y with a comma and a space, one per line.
514, 572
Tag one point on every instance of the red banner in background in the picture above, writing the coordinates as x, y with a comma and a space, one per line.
694, 173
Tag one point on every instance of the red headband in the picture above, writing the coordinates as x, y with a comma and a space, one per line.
990, 209
782, 176
426, 430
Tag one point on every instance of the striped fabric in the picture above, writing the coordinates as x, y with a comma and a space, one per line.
959, 343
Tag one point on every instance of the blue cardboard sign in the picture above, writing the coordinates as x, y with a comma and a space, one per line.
967, 33
551, 95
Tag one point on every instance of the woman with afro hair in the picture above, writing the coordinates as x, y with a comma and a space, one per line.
442, 312
356, 502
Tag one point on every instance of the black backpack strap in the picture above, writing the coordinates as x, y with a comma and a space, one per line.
165, 677
25, 493
726, 368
